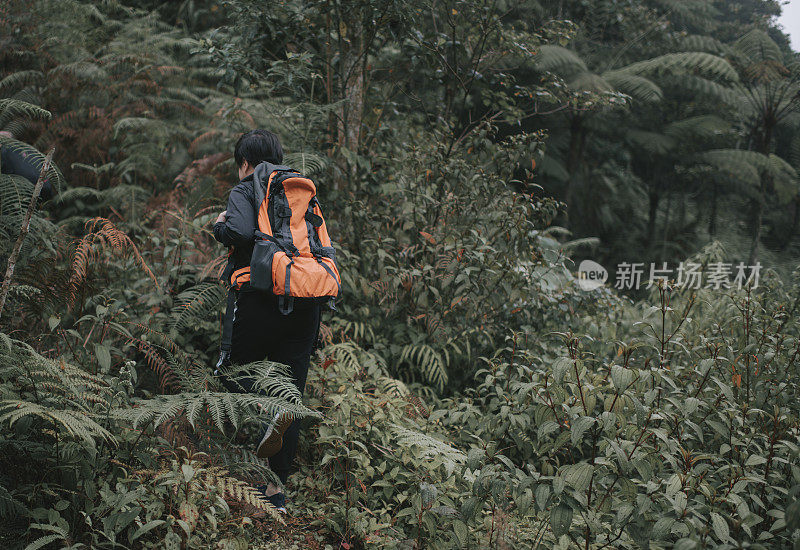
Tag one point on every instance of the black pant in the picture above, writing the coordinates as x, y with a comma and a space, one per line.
261, 331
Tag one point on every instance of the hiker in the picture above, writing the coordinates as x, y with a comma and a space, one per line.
259, 323
17, 161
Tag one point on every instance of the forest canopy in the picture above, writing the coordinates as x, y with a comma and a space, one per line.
472, 389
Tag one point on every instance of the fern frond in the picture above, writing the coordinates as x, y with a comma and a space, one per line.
309, 164
686, 62
196, 304
20, 78
757, 46
265, 377
392, 386
558, 59
241, 491
703, 126
14, 108
636, 86
10, 507
76, 424
103, 236
54, 175
15, 194
703, 43
430, 447
222, 407
427, 361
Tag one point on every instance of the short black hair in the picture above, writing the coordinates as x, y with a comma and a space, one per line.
257, 146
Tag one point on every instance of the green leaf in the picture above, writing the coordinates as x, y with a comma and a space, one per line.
560, 519
755, 460
461, 531
53, 321
560, 368
662, 528
44, 541
579, 427
720, 527
579, 475
188, 472
621, 377
149, 526
542, 494
103, 357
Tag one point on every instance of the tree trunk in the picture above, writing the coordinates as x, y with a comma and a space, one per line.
577, 138
712, 218
764, 143
655, 198
795, 219
352, 81
666, 228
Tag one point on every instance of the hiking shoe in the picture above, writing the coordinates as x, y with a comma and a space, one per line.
278, 500
272, 441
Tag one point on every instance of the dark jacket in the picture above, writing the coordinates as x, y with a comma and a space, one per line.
238, 229
20, 162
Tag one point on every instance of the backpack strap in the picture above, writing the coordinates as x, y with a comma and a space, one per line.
261, 176
227, 330
286, 301
313, 223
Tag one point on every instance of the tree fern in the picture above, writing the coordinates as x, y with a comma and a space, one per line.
15, 108
310, 164
756, 45
54, 175
559, 59
748, 166
686, 62
636, 86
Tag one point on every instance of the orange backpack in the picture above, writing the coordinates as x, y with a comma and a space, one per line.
293, 256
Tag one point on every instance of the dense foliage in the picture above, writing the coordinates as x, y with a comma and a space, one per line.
467, 393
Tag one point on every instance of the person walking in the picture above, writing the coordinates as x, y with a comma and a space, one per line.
257, 326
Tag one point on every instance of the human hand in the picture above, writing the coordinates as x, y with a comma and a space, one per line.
221, 217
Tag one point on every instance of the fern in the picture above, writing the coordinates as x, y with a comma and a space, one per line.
559, 59
687, 62
756, 45
75, 424
636, 86
748, 166
427, 361
430, 447
54, 175
15, 108
241, 491
221, 406
267, 377
196, 304
10, 507
21, 78
310, 164
392, 386
103, 236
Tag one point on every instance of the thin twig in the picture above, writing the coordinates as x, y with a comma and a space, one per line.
26, 222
